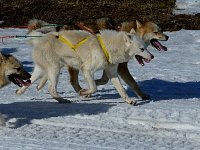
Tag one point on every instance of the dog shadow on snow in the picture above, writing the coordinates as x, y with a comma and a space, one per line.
8, 50
25, 112
157, 89
166, 90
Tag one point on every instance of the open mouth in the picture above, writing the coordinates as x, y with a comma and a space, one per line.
155, 43
19, 81
140, 59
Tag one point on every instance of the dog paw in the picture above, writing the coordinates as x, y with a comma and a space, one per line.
86, 96
38, 88
131, 102
83, 92
19, 92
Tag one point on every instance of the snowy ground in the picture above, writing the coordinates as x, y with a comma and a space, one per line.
171, 120
187, 7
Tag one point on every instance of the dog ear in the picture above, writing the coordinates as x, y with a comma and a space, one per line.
138, 24
132, 31
128, 37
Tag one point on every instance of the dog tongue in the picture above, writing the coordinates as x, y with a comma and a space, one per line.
139, 59
159, 45
27, 83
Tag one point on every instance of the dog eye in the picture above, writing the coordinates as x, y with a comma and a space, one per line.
142, 49
155, 32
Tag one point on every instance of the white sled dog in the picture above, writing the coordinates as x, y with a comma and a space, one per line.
86, 52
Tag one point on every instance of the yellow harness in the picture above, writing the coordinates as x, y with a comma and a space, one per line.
74, 47
68, 43
103, 46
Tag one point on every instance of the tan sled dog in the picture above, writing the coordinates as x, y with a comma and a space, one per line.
11, 70
104, 51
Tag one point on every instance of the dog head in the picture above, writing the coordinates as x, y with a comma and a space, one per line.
41, 26
151, 34
137, 48
12, 70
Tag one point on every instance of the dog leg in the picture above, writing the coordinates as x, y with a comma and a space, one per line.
37, 74
42, 82
104, 79
73, 74
113, 75
89, 77
53, 74
127, 77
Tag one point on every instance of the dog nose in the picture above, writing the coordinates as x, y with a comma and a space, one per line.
167, 37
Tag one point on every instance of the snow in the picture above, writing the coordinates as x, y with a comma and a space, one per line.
169, 121
187, 7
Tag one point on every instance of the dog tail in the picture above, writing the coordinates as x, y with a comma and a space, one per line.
35, 24
40, 26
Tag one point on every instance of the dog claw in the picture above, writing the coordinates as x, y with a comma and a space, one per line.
86, 96
145, 97
82, 92
18, 92
131, 102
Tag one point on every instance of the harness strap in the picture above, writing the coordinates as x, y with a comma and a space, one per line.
68, 43
103, 46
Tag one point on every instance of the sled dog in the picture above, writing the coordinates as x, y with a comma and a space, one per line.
86, 52
11, 70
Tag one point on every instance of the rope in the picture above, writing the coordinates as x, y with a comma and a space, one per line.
21, 27
18, 36
31, 27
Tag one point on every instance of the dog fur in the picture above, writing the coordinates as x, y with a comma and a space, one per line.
89, 58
